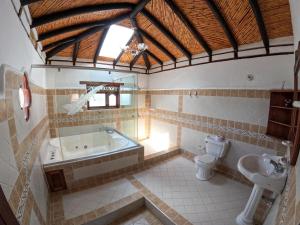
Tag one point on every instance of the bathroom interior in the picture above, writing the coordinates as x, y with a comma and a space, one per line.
149, 112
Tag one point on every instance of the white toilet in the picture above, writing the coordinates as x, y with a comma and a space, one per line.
216, 148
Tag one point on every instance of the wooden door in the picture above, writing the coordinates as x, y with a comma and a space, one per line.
7, 216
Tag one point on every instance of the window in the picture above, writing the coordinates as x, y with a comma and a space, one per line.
116, 38
108, 97
98, 100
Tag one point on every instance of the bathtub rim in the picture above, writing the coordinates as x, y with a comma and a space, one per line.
90, 157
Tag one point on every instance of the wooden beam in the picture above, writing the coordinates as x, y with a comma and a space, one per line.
76, 39
101, 40
78, 11
134, 60
189, 26
167, 33
154, 57
139, 7
95, 83
106, 22
28, 2
55, 43
157, 44
140, 40
122, 52
218, 15
75, 52
261, 25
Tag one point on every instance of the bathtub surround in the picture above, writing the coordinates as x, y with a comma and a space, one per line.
21, 171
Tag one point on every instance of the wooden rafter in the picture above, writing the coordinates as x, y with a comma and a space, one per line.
218, 15
76, 39
261, 24
55, 43
167, 33
135, 59
122, 52
157, 44
139, 7
140, 40
101, 40
105, 22
75, 52
189, 26
154, 57
78, 11
28, 2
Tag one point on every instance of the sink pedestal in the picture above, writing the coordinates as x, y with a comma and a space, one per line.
246, 217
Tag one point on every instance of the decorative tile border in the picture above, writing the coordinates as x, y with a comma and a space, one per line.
21, 199
162, 206
244, 93
140, 213
57, 211
77, 185
244, 132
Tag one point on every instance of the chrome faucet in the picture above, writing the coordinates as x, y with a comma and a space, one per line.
279, 168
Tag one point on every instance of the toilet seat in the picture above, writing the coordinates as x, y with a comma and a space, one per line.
205, 159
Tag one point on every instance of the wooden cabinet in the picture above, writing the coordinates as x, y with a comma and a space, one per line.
280, 114
56, 180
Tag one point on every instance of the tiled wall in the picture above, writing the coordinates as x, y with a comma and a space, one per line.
21, 175
239, 115
122, 119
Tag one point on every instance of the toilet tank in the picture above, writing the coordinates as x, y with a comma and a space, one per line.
217, 148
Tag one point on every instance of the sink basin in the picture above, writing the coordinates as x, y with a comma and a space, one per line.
260, 171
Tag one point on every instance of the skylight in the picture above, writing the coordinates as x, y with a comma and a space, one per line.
116, 38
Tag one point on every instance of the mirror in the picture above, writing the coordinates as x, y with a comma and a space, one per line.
25, 96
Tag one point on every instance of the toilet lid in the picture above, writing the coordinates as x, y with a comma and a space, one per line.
205, 158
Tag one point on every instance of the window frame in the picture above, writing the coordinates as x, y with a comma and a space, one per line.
106, 92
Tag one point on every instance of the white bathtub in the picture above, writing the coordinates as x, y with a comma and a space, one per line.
86, 145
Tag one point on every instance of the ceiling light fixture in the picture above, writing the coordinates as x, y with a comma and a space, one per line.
136, 49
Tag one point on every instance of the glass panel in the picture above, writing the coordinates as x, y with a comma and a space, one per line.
129, 114
97, 100
112, 100
126, 99
79, 132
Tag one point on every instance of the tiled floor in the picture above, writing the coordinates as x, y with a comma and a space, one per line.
173, 184
214, 202
82, 202
141, 217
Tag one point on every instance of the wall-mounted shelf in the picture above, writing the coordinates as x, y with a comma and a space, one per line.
280, 114
281, 107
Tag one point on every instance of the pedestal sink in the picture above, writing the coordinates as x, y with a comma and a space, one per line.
262, 173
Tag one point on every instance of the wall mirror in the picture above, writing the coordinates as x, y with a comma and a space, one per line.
25, 96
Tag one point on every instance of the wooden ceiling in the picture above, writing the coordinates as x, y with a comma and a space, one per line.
171, 28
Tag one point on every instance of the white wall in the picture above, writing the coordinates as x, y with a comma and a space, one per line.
16, 50
254, 110
269, 73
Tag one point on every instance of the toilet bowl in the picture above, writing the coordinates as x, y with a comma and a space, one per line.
216, 149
